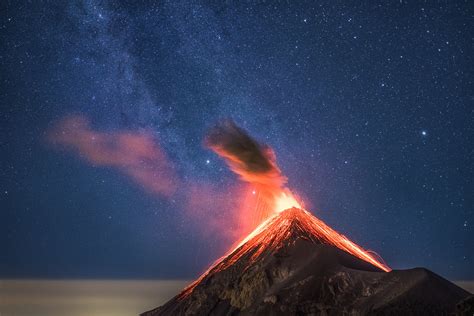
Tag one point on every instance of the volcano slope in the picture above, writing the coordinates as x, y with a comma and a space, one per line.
288, 266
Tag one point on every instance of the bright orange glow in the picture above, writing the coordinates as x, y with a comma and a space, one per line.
285, 201
274, 232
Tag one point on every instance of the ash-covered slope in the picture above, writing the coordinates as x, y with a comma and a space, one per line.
294, 265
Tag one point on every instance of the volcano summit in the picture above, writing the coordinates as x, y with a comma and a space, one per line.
294, 264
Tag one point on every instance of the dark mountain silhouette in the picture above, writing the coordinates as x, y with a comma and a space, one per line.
291, 265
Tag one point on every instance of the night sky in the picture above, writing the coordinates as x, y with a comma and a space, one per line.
368, 107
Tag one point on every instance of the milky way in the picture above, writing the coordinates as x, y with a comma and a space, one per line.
368, 109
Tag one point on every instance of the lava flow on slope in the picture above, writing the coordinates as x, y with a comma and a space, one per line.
275, 232
294, 264
270, 236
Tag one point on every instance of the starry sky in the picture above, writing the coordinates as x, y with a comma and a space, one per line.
368, 107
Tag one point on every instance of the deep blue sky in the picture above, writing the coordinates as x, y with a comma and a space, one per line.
368, 107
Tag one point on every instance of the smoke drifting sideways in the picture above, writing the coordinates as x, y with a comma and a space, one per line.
210, 208
135, 153
230, 211
255, 163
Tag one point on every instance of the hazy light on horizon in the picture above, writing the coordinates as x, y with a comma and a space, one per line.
93, 297
84, 297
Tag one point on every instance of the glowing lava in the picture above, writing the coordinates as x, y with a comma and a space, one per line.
281, 229
285, 201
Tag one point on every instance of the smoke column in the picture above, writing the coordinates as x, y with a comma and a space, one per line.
253, 162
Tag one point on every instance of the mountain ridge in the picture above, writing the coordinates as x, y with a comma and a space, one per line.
292, 264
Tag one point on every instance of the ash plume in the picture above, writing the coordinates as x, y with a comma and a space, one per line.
252, 161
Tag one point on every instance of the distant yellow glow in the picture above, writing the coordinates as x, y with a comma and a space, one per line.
286, 201
84, 297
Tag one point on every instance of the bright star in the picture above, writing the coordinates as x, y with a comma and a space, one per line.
208, 161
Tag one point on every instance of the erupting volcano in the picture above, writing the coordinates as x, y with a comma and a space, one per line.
255, 163
292, 263
277, 231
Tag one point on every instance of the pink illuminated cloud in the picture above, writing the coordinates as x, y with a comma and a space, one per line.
135, 153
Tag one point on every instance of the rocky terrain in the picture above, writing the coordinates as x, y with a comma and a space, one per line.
299, 272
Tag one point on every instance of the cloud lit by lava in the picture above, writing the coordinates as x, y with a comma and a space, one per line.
135, 153
254, 163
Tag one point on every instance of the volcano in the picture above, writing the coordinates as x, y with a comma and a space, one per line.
294, 264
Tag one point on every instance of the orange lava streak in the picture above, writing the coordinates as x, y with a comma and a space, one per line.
272, 234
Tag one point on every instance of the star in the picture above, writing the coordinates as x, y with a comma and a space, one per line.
361, 123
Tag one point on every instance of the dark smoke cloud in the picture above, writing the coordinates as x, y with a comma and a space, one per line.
252, 161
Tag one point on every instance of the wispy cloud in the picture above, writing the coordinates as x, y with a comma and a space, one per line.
135, 153
228, 211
